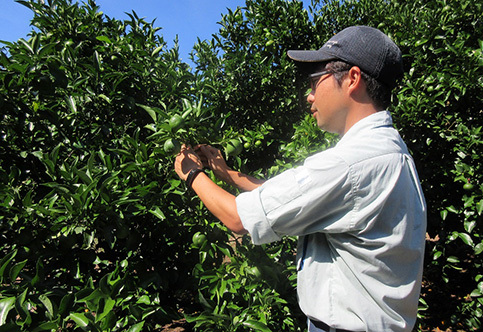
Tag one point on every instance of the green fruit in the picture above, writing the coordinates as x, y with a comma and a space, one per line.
176, 122
198, 239
258, 143
468, 186
115, 60
172, 146
233, 148
246, 145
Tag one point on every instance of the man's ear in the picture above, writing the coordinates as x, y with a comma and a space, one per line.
354, 78
355, 85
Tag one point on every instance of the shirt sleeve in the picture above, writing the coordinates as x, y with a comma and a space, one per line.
253, 217
310, 198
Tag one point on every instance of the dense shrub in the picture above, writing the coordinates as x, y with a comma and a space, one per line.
97, 232
94, 229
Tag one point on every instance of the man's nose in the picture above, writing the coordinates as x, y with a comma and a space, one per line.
311, 97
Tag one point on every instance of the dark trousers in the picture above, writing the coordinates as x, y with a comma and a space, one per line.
317, 326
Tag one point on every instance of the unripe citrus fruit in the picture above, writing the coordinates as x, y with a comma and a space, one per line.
468, 186
176, 122
198, 239
172, 146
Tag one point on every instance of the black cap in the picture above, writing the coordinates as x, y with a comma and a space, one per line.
368, 48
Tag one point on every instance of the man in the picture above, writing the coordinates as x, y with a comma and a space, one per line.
357, 208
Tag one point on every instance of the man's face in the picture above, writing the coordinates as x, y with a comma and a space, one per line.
328, 102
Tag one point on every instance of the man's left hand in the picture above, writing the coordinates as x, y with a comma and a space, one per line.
185, 161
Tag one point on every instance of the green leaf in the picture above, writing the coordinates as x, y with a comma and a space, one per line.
87, 295
203, 301
104, 39
66, 304
5, 262
22, 309
479, 207
258, 326
452, 209
479, 248
80, 319
48, 326
453, 259
156, 51
5, 306
150, 111
15, 270
72, 105
466, 238
48, 305
83, 176
39, 267
137, 327
158, 213
97, 61
144, 299
470, 226
108, 306
27, 45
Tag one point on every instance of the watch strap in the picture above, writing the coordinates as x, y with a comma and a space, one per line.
192, 175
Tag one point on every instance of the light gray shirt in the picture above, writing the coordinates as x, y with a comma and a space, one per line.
360, 215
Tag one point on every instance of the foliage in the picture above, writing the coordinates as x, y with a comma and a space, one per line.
95, 229
98, 233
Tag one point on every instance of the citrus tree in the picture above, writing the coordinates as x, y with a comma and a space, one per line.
96, 229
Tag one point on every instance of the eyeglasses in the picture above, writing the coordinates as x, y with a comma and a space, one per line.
315, 78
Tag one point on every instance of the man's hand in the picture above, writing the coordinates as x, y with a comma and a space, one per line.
213, 159
220, 202
185, 161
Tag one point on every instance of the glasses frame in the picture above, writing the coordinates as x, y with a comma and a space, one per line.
314, 78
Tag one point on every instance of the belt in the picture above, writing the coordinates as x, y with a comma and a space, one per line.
321, 325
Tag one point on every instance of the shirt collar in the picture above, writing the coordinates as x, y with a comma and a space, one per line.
378, 119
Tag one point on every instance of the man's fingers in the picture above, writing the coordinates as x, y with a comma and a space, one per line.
213, 152
206, 150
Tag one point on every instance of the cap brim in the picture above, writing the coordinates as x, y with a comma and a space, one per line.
309, 56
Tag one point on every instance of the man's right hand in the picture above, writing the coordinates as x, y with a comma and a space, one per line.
213, 159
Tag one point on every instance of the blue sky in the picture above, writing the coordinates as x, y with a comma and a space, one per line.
188, 19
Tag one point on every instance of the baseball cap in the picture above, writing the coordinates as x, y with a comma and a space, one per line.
363, 46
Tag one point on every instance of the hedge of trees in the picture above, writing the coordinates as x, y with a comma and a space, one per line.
97, 232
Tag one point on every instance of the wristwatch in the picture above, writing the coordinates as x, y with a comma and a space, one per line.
192, 175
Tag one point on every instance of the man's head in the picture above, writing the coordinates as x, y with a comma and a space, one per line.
379, 93
352, 76
362, 46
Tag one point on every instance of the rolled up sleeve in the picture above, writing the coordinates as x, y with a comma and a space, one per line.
252, 215
299, 201
260, 209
